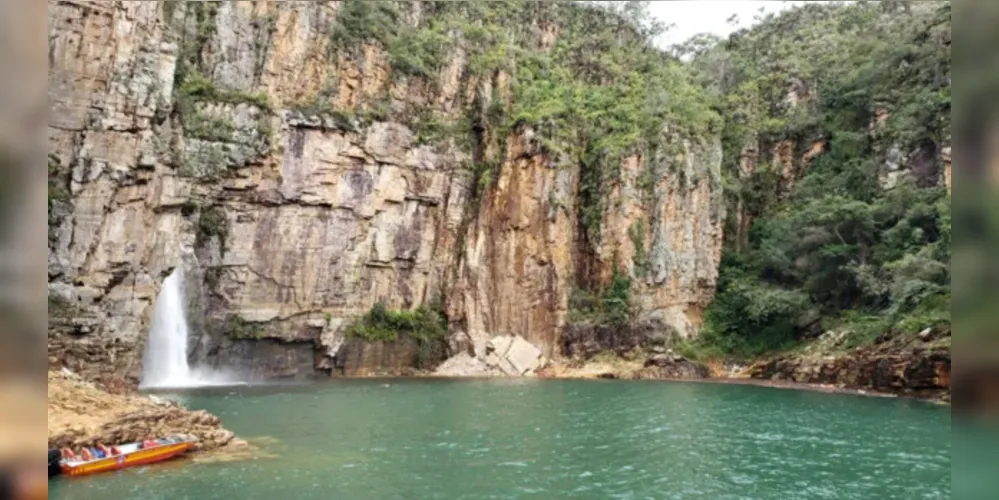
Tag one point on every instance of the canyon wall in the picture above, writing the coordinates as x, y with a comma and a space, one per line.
299, 177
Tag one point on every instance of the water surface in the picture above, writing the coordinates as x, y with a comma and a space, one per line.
529, 438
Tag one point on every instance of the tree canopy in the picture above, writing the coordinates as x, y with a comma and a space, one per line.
869, 83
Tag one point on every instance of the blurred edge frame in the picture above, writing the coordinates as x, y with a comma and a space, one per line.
24, 110
975, 205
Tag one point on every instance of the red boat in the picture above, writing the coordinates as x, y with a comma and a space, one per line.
123, 456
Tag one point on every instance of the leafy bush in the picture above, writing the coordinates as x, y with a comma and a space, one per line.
636, 232
748, 318
208, 128
238, 328
358, 21
198, 87
212, 223
381, 324
615, 299
610, 307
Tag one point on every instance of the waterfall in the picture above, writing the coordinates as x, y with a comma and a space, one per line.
164, 363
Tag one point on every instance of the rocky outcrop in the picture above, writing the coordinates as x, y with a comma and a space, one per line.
360, 358
301, 182
505, 355
671, 367
512, 355
585, 340
918, 366
657, 363
80, 414
464, 364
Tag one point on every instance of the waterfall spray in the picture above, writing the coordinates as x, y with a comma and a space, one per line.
165, 359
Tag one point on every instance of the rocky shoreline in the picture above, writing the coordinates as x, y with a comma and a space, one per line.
82, 414
915, 366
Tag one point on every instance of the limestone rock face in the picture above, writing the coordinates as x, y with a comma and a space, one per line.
298, 185
112, 237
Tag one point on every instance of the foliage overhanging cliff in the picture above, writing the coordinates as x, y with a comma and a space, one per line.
837, 168
360, 186
520, 165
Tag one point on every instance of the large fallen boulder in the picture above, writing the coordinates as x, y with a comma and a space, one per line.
509, 355
513, 355
465, 365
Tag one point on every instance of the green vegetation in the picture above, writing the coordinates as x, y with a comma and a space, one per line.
58, 181
600, 93
238, 328
200, 16
209, 128
358, 21
636, 232
193, 87
412, 51
427, 324
610, 307
381, 324
870, 258
212, 223
199, 125
196, 86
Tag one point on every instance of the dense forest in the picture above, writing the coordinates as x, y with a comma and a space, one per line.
561, 175
834, 120
848, 227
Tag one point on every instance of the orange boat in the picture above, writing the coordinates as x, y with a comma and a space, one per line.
127, 455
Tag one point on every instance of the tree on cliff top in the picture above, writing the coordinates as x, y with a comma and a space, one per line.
837, 240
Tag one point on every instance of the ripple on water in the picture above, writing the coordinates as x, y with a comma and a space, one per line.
556, 439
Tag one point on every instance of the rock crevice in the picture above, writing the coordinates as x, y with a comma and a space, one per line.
313, 182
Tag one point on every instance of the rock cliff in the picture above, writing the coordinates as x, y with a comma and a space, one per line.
303, 161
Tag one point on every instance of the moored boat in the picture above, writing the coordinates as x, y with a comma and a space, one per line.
124, 456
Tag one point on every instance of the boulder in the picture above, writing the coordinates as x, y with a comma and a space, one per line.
510, 355
499, 344
464, 365
671, 366
524, 356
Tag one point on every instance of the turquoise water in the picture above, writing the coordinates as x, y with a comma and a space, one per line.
505, 439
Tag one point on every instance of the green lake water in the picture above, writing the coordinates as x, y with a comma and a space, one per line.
530, 438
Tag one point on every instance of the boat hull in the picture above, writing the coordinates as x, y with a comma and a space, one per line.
138, 457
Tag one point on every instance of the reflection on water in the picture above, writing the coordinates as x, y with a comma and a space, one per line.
532, 438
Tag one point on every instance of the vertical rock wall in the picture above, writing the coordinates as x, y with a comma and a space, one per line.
300, 188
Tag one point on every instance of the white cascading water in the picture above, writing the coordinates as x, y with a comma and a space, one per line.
165, 360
